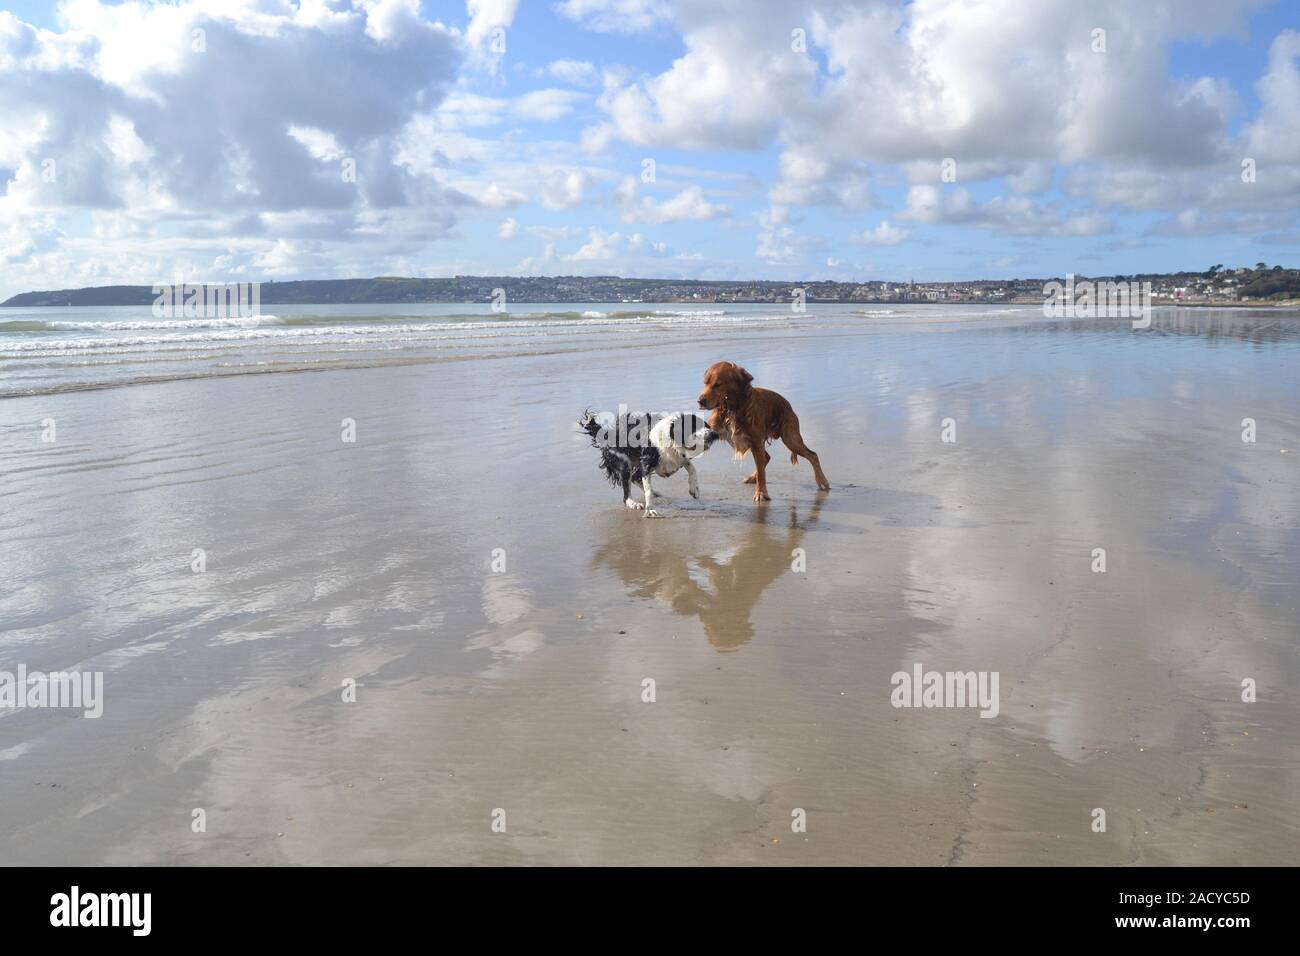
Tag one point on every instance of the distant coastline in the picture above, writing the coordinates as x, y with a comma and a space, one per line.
1258, 286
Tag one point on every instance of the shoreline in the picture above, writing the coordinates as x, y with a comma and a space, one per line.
1226, 304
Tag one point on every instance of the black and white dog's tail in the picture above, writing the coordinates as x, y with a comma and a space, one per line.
616, 466
591, 425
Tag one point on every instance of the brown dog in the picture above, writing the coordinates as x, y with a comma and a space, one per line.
749, 417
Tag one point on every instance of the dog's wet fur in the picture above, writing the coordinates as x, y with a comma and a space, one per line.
637, 447
748, 418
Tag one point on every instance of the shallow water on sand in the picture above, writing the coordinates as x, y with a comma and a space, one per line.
463, 562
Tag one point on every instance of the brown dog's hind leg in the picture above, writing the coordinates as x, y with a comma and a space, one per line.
794, 441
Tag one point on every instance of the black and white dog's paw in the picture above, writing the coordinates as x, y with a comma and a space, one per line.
634, 505
651, 513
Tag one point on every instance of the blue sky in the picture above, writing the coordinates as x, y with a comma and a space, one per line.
335, 138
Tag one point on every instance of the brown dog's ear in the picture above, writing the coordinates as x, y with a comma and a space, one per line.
744, 375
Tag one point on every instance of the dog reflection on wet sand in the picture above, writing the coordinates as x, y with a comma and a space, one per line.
672, 566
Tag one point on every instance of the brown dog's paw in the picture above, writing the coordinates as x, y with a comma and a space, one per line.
751, 479
824, 486
761, 495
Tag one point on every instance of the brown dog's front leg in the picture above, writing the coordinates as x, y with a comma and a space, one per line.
760, 453
760, 474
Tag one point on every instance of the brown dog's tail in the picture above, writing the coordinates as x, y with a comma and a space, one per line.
794, 459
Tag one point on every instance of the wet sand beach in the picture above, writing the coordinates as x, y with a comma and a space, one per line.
465, 564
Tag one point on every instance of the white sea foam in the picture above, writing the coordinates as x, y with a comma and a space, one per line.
136, 325
203, 335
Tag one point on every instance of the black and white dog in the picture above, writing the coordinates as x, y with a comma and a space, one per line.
636, 446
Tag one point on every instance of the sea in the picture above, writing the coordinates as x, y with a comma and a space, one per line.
48, 350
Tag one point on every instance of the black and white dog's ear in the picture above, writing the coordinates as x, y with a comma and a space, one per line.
676, 431
686, 427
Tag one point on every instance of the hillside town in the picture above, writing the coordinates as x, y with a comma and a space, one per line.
1216, 285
